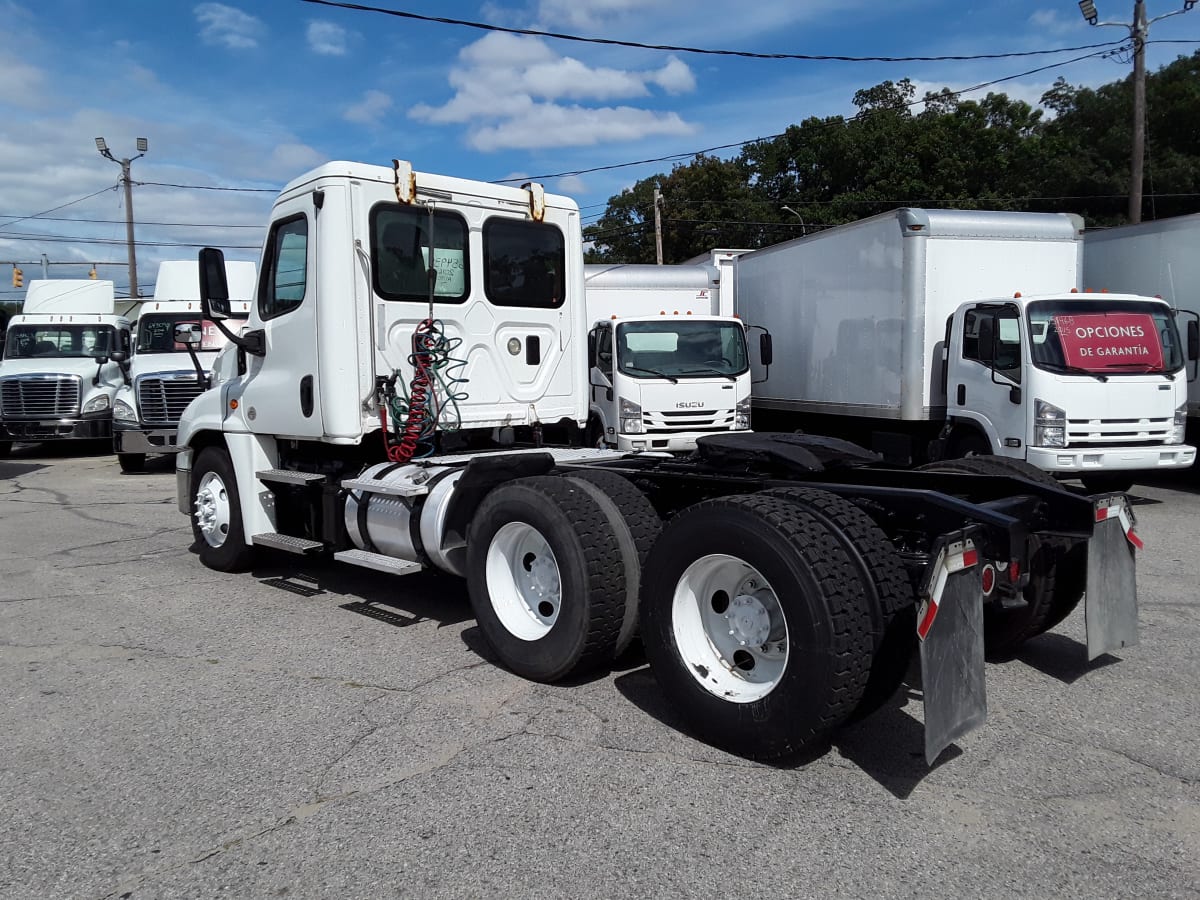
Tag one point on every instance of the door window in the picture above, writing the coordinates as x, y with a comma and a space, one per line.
400, 238
1007, 328
287, 268
524, 263
604, 351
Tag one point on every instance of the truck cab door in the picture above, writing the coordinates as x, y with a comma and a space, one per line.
279, 388
600, 373
984, 374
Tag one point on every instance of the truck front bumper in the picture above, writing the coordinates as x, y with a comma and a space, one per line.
1083, 460
36, 430
140, 439
676, 442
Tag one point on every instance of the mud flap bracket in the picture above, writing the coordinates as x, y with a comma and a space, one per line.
1110, 603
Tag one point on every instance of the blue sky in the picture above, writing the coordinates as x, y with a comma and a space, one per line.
244, 96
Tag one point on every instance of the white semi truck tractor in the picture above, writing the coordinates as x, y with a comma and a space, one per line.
62, 363
413, 395
1158, 258
164, 375
665, 366
928, 334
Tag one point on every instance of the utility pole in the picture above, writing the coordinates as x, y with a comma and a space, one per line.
142, 145
1139, 31
658, 224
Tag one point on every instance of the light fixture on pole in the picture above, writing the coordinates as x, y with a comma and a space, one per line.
1139, 31
143, 145
798, 216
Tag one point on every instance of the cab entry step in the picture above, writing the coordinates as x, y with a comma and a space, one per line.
290, 543
378, 562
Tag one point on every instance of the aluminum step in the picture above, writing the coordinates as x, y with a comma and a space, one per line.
378, 562
380, 487
287, 542
288, 476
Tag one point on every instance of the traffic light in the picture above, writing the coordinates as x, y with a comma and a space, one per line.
18, 278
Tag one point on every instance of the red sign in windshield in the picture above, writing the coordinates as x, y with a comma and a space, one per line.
1110, 340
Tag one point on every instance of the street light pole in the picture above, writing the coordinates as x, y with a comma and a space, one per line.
142, 145
798, 216
1139, 31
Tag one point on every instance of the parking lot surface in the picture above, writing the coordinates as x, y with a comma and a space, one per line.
315, 730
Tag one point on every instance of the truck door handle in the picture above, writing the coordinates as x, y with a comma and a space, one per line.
962, 395
533, 350
306, 395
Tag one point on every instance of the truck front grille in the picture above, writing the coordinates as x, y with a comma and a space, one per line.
39, 396
1117, 432
678, 421
163, 398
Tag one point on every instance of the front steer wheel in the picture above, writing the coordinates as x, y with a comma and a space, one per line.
217, 513
131, 462
546, 578
756, 625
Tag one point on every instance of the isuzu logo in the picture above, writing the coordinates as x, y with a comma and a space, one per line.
689, 404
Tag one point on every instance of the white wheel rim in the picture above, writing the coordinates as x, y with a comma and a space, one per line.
212, 509
523, 581
729, 628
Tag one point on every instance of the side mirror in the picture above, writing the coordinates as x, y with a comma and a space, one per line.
592, 337
100, 356
214, 287
766, 350
1193, 341
188, 333
118, 356
987, 340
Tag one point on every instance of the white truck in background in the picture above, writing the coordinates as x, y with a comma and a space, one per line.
62, 363
1161, 258
667, 364
946, 333
417, 346
163, 376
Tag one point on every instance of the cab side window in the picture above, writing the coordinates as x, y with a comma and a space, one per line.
604, 351
286, 265
1006, 326
525, 264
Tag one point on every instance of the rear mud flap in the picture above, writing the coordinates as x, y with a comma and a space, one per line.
950, 626
1110, 603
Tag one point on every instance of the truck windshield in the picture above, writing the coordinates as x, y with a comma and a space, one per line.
156, 333
678, 348
58, 341
1113, 337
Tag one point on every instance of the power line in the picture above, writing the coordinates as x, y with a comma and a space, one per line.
745, 54
42, 218
66, 239
60, 206
206, 187
837, 121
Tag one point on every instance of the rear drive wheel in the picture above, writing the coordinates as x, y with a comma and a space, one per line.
636, 526
131, 462
217, 513
1057, 567
546, 578
884, 579
756, 624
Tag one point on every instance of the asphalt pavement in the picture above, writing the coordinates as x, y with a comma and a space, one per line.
316, 730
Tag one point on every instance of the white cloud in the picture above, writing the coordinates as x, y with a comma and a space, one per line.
507, 86
228, 27
326, 38
370, 109
591, 15
20, 83
292, 157
1049, 21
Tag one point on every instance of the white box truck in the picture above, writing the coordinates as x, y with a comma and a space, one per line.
62, 363
665, 366
419, 339
164, 375
928, 333
1160, 258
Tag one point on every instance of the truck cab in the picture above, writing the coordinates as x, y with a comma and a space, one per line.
62, 363
1052, 379
163, 375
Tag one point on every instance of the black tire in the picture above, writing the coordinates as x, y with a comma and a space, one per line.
5, 449
1057, 568
968, 443
131, 462
1108, 482
593, 436
584, 626
221, 548
636, 526
885, 582
811, 583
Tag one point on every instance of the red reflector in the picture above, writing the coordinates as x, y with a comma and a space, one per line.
989, 579
1014, 571
927, 621
970, 557
1134, 539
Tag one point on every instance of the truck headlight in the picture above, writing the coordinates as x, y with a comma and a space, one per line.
1050, 425
96, 404
1177, 432
123, 412
741, 415
631, 417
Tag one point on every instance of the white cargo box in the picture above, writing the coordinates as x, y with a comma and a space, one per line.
69, 296
179, 279
858, 313
643, 290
